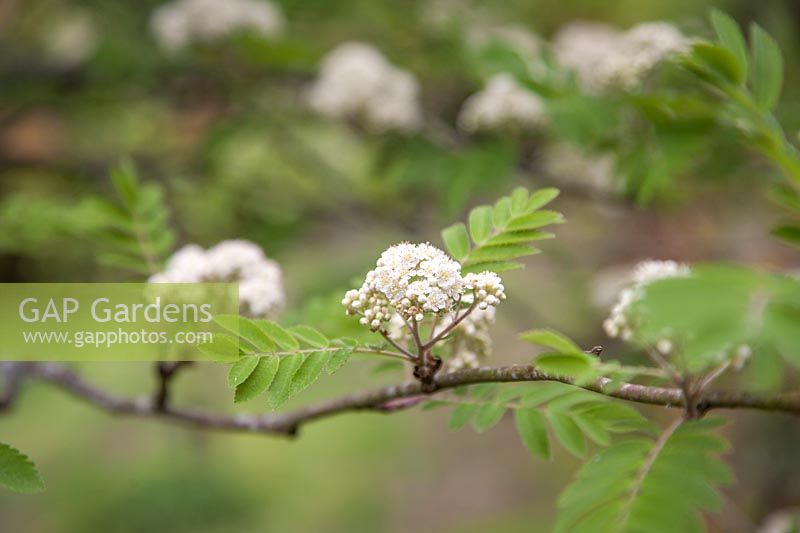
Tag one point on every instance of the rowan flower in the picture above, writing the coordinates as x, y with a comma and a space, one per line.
502, 103
487, 289
357, 82
470, 341
604, 57
181, 22
260, 280
415, 282
412, 279
638, 51
582, 46
619, 324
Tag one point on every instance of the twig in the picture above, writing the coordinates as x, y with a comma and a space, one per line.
450, 327
165, 372
387, 399
405, 352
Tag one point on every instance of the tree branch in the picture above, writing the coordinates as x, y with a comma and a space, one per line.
389, 399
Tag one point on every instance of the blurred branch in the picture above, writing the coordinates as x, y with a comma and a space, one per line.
165, 373
389, 399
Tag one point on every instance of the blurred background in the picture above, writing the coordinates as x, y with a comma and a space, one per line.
221, 122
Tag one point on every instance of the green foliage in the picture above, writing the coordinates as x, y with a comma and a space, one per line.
767, 71
17, 471
499, 235
567, 360
278, 361
573, 415
643, 484
137, 234
730, 36
719, 308
724, 66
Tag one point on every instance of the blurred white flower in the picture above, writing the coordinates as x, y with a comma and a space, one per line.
638, 51
465, 346
357, 82
582, 47
502, 103
72, 38
260, 279
603, 57
569, 165
181, 22
470, 341
618, 323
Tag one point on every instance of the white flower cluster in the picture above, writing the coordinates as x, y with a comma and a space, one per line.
357, 82
487, 289
583, 46
639, 50
470, 340
413, 280
604, 57
72, 38
569, 165
466, 345
179, 23
646, 272
260, 280
502, 103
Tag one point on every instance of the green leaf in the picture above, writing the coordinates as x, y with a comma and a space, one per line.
502, 212
551, 339
720, 61
259, 379
308, 372
516, 237
790, 234
786, 197
310, 336
488, 415
461, 415
658, 486
480, 223
541, 198
281, 387
126, 182
139, 228
500, 253
503, 233
519, 201
338, 360
532, 430
534, 220
493, 266
279, 336
730, 36
576, 365
223, 348
255, 338
17, 471
241, 369
568, 433
456, 240
767, 72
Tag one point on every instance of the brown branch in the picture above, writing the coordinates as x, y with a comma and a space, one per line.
165, 371
388, 399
